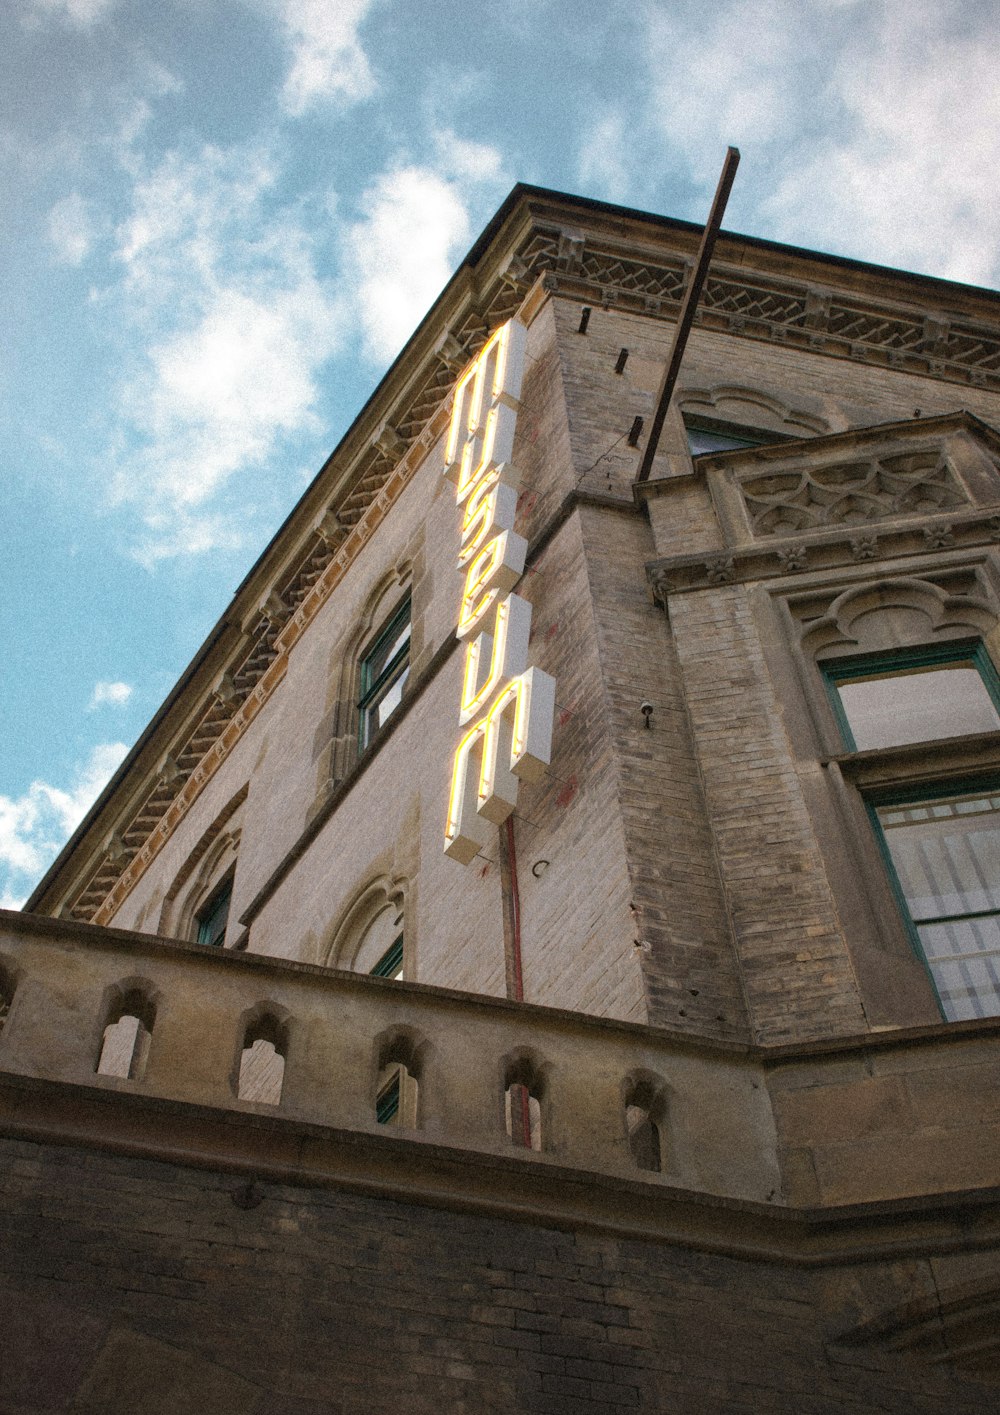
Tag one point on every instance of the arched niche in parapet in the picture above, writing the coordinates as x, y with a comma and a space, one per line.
896, 612
9, 977
401, 1056
261, 1054
748, 410
525, 1098
198, 882
127, 1018
645, 1114
371, 935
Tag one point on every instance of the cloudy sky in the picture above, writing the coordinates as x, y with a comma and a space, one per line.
222, 219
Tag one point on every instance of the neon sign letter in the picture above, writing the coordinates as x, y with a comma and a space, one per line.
513, 705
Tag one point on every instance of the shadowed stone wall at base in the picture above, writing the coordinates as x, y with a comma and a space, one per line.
129, 1284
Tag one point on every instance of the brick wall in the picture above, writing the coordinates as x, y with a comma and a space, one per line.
128, 1285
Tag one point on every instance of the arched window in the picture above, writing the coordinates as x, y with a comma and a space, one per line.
727, 417
197, 905
127, 1031
370, 938
371, 671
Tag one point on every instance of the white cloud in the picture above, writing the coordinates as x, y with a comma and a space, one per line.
110, 694
601, 163
725, 74
35, 825
416, 223
221, 283
328, 61
906, 183
866, 129
78, 12
69, 230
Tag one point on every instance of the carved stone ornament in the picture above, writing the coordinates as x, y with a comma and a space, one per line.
846, 493
720, 570
794, 558
661, 587
939, 537
864, 547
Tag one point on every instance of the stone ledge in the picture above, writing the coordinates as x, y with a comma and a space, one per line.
274, 1149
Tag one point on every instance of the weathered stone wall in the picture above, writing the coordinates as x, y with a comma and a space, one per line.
130, 1285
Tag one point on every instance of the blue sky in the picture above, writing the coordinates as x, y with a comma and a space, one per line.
224, 217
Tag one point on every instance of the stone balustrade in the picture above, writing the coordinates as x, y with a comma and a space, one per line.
339, 1033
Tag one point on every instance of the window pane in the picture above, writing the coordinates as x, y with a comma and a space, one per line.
390, 965
392, 697
703, 439
387, 1102
946, 854
213, 918
917, 705
385, 651
384, 671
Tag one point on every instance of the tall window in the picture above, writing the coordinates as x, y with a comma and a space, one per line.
944, 850
385, 667
213, 917
941, 840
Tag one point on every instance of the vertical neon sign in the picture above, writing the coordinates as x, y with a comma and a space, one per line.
507, 708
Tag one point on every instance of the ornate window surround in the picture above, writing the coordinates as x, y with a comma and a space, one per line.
945, 605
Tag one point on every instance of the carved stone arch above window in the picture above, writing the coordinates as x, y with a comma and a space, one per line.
901, 612
733, 406
371, 934
211, 863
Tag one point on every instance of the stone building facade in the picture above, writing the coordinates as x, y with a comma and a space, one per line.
682, 1094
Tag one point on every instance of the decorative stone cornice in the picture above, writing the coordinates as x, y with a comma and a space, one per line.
775, 559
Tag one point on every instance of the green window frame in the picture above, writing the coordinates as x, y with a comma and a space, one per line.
390, 965
387, 1101
900, 663
213, 917
706, 436
946, 879
385, 666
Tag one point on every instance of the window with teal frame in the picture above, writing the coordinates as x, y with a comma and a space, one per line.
213, 916
387, 1101
390, 965
708, 437
914, 695
385, 667
942, 845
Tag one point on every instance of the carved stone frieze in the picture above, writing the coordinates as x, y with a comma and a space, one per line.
851, 492
768, 560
